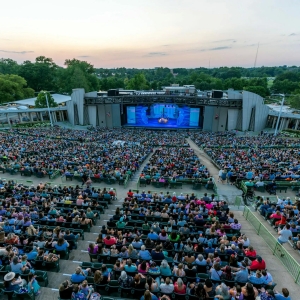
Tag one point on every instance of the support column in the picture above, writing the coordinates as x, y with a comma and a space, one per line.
282, 124
8, 120
287, 123
54, 116
31, 117
274, 122
41, 114
296, 125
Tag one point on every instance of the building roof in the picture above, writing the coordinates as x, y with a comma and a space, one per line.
58, 98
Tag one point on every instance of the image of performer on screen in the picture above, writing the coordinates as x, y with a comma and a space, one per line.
163, 120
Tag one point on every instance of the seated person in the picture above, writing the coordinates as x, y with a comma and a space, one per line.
79, 275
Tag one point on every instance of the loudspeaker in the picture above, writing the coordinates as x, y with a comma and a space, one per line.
217, 94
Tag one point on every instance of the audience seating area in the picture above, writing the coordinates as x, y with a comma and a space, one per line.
194, 237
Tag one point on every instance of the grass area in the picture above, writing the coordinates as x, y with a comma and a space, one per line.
270, 83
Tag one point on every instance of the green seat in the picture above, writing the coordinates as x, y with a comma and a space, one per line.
42, 277
113, 285
28, 296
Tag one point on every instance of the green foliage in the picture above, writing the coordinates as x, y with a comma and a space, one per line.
294, 101
138, 82
44, 74
78, 74
287, 82
259, 90
41, 74
13, 87
32, 125
8, 66
41, 101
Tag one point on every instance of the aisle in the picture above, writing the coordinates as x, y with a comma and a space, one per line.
225, 191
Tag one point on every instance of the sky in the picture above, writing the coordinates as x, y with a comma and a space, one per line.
153, 33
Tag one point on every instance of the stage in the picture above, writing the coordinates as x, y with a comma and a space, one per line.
163, 116
153, 123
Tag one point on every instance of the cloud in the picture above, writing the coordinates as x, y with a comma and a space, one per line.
216, 48
293, 34
228, 40
156, 54
84, 56
17, 52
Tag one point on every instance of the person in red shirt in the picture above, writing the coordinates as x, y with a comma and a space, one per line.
258, 264
179, 287
276, 215
281, 222
130, 194
250, 252
109, 240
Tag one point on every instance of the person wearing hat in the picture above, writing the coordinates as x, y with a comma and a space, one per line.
11, 283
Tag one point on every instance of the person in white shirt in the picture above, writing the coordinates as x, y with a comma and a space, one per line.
259, 183
167, 286
285, 234
220, 175
279, 201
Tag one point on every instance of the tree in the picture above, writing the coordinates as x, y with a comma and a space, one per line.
78, 74
294, 101
13, 87
259, 90
41, 101
138, 82
8, 66
40, 75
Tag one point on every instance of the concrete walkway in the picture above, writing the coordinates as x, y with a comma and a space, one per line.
225, 191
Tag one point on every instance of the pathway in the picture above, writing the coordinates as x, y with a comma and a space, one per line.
225, 191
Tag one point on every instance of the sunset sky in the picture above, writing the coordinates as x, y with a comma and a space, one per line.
153, 33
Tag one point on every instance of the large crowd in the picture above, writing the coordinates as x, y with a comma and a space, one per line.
158, 245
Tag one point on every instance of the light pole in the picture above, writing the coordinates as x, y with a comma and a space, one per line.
50, 117
279, 114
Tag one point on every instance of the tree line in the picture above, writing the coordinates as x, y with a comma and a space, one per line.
19, 81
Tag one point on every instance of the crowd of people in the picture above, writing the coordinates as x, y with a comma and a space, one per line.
174, 163
165, 257
284, 216
158, 242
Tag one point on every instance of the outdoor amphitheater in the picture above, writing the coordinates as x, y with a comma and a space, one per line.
179, 214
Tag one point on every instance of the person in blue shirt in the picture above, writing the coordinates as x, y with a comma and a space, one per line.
33, 254
78, 276
257, 278
268, 279
144, 254
61, 244
152, 235
284, 296
242, 274
130, 267
148, 295
165, 269
209, 249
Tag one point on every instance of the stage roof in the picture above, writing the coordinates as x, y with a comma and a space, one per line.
58, 98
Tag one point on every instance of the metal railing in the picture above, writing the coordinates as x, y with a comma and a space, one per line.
292, 266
